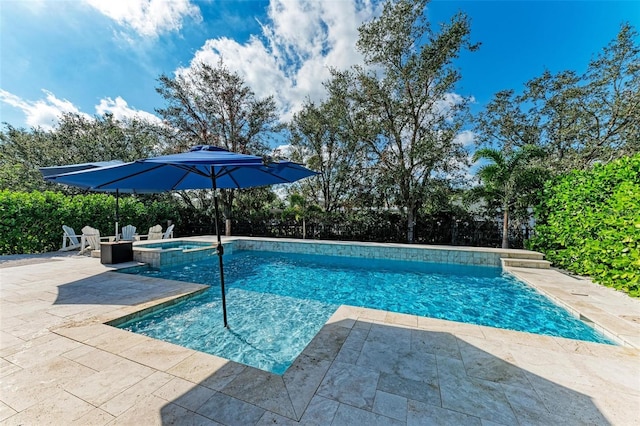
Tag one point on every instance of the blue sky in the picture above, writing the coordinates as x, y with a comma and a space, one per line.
96, 56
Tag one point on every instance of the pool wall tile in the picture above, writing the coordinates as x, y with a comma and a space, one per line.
436, 254
157, 257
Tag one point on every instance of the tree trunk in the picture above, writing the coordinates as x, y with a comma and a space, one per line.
411, 224
228, 195
505, 229
304, 229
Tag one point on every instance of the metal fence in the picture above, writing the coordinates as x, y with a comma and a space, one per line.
443, 231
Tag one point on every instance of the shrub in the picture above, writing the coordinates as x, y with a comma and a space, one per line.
589, 224
31, 222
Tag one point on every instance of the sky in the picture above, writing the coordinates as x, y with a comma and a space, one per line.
98, 56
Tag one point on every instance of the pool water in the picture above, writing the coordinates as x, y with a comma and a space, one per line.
184, 245
277, 302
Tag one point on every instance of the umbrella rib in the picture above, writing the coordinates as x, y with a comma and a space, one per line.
187, 169
229, 170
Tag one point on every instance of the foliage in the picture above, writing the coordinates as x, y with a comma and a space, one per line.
509, 179
211, 105
408, 92
76, 139
589, 223
578, 119
329, 138
31, 222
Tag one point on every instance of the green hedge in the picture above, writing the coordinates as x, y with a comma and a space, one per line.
31, 222
589, 224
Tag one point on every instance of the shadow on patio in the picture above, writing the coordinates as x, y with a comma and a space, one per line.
359, 372
113, 288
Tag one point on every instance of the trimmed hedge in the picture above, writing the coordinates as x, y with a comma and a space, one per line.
31, 222
589, 224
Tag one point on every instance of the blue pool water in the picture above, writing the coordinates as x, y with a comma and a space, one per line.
184, 245
277, 302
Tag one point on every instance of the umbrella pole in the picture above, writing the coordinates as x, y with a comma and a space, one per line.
117, 214
219, 248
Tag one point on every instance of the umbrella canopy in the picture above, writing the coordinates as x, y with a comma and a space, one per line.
189, 170
204, 167
58, 170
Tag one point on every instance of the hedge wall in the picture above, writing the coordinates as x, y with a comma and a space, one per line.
31, 222
589, 224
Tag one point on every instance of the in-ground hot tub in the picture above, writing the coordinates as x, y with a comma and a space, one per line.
166, 253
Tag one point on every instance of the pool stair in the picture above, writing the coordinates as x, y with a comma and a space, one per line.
525, 263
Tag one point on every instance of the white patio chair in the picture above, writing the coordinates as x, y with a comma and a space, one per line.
91, 239
128, 233
155, 233
69, 239
168, 233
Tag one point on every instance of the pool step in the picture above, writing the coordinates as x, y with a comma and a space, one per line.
526, 263
522, 254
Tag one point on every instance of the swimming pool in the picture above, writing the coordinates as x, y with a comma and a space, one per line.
277, 302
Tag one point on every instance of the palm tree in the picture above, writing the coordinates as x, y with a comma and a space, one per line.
509, 179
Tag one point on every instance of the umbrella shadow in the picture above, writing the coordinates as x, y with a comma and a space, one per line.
113, 288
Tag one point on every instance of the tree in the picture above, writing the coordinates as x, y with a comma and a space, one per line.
408, 89
503, 123
299, 208
509, 179
580, 120
76, 139
329, 138
612, 101
210, 105
556, 100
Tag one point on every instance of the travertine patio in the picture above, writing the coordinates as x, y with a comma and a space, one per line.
61, 364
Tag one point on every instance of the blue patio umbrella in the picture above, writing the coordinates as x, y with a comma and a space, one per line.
204, 167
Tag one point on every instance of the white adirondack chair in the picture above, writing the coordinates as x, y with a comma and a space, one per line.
91, 239
168, 233
70, 239
155, 233
128, 233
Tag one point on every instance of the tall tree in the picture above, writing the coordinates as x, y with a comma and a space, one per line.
211, 105
329, 137
612, 101
509, 179
409, 90
556, 103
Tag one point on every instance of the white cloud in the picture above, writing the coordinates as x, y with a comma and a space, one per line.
46, 113
299, 42
284, 151
466, 138
149, 18
121, 110
43, 113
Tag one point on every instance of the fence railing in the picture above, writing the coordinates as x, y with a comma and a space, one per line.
451, 232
